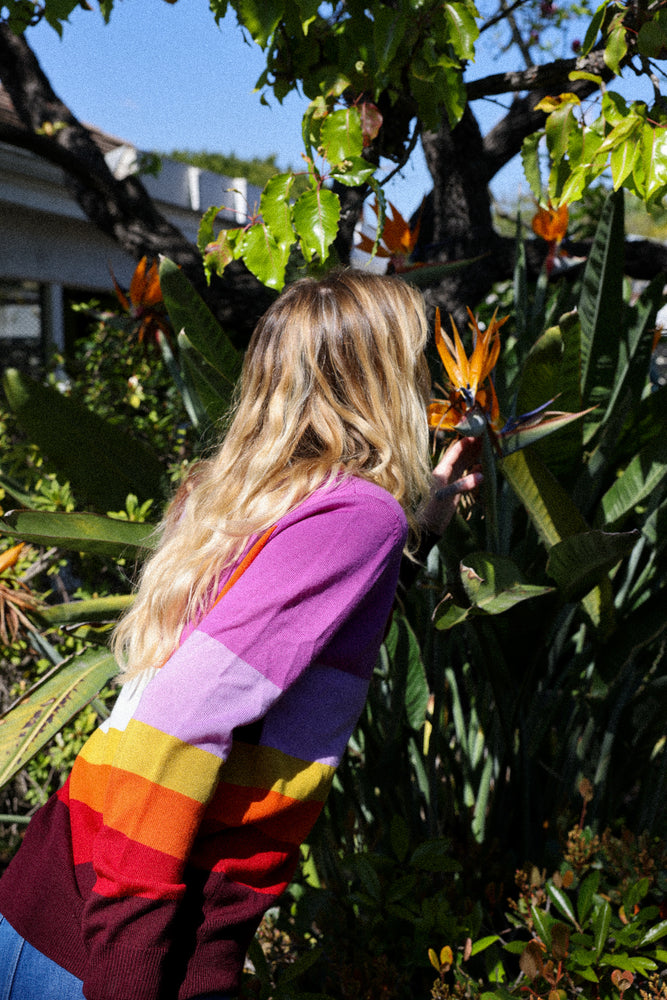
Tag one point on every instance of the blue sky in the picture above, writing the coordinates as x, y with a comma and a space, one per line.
163, 76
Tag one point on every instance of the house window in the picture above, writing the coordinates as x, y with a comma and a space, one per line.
21, 344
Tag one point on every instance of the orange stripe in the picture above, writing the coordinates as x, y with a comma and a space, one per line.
88, 783
281, 817
151, 815
245, 562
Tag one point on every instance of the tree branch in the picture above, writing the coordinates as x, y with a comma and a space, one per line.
547, 77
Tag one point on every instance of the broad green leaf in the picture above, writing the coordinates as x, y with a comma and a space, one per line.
275, 207
210, 393
495, 583
483, 943
340, 135
260, 17
654, 934
357, 171
555, 517
93, 533
264, 256
601, 924
543, 923
562, 902
586, 895
531, 164
188, 311
549, 506
559, 125
653, 160
594, 27
316, 215
102, 462
389, 26
452, 615
601, 302
50, 705
645, 473
622, 161
652, 37
404, 652
93, 609
615, 49
464, 31
579, 561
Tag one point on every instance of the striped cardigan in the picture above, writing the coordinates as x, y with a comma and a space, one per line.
147, 873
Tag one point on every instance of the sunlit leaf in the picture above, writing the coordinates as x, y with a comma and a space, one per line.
80, 532
316, 215
340, 135
47, 707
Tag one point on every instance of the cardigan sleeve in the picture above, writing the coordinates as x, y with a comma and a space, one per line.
329, 570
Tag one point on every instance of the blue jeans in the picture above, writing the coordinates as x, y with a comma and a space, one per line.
26, 974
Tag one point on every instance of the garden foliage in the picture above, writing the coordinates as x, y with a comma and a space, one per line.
524, 668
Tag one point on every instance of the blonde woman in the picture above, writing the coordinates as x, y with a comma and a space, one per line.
245, 658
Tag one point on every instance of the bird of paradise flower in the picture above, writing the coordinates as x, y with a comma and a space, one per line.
144, 302
469, 405
397, 242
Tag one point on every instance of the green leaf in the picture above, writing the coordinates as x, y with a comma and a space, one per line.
434, 856
531, 164
463, 28
615, 49
654, 934
275, 207
580, 561
601, 301
260, 17
209, 393
601, 923
101, 461
483, 943
562, 902
264, 256
388, 30
645, 473
93, 533
652, 37
586, 895
94, 609
653, 160
48, 706
404, 653
495, 583
340, 135
316, 215
594, 27
543, 923
357, 171
555, 516
559, 126
188, 311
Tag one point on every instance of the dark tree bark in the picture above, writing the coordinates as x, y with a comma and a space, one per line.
120, 208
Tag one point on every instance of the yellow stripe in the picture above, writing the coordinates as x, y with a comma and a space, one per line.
264, 767
158, 757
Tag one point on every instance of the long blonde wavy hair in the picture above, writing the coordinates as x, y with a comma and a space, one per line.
334, 382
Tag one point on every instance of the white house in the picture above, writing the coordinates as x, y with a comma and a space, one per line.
51, 254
